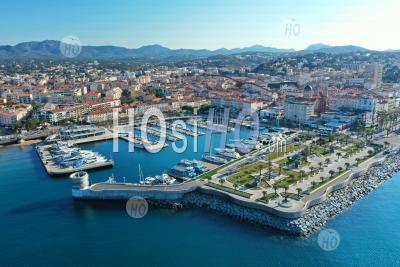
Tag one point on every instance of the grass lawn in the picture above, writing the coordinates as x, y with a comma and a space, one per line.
265, 184
209, 174
352, 149
318, 150
268, 197
244, 176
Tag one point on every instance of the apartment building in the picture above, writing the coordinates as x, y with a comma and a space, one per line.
298, 110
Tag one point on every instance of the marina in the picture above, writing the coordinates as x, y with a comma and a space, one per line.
214, 159
187, 169
63, 158
228, 153
138, 142
53, 191
186, 131
156, 132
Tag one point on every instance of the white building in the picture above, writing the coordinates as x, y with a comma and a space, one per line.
298, 111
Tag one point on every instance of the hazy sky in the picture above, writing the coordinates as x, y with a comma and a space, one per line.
204, 23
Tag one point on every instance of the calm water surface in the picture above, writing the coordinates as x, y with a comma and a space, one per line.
41, 225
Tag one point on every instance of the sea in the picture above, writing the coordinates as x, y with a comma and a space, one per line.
41, 225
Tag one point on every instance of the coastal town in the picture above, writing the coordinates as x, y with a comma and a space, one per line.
312, 127
202, 133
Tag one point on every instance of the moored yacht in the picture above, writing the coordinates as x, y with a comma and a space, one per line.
228, 153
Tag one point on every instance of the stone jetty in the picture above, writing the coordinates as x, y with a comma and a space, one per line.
302, 222
315, 217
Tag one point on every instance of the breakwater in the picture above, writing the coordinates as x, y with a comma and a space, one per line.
309, 218
317, 212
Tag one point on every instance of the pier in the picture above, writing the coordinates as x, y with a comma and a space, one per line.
136, 141
185, 131
204, 125
156, 132
55, 170
82, 190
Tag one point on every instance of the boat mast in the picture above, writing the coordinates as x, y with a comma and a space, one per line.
141, 179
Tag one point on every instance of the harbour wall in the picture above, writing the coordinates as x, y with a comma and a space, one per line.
122, 191
304, 221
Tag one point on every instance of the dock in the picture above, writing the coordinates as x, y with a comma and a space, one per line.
156, 132
185, 131
204, 125
209, 165
136, 141
55, 170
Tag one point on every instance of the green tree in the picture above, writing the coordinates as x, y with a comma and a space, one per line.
235, 185
298, 189
347, 164
275, 187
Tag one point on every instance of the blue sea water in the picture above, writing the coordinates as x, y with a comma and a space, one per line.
41, 225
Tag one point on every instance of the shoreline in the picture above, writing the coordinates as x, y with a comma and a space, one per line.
316, 216
24, 143
338, 201
311, 218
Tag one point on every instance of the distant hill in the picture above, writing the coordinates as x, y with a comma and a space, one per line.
323, 48
317, 46
51, 49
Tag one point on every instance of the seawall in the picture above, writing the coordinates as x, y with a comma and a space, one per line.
310, 217
316, 212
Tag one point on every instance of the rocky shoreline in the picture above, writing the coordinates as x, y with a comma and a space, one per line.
316, 216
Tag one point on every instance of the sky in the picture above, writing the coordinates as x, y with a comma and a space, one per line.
198, 24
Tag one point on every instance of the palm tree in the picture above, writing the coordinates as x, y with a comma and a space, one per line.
347, 165
338, 154
235, 185
386, 144
285, 187
275, 187
340, 169
280, 168
264, 193
331, 172
260, 168
320, 164
313, 183
269, 169
327, 160
221, 181
298, 189
312, 169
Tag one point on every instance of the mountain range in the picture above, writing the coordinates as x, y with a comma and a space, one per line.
51, 49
